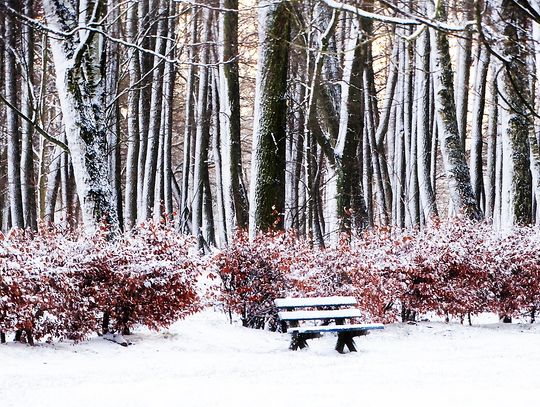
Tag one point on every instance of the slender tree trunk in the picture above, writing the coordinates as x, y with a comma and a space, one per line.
423, 128
132, 155
189, 134
399, 165
113, 112
372, 126
493, 115
53, 183
463, 74
28, 187
480, 81
364, 151
235, 201
154, 126
410, 180
294, 156
145, 31
208, 223
202, 133
66, 218
456, 169
218, 162
168, 105
375, 157
3, 157
384, 130
12, 123
351, 197
162, 209
321, 123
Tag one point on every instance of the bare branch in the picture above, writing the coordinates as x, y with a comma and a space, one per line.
37, 127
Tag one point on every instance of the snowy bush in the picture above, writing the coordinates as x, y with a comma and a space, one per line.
514, 272
453, 269
253, 274
64, 285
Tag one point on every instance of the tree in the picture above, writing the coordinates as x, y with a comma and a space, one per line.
12, 124
202, 134
79, 66
28, 182
133, 141
456, 169
515, 95
267, 189
352, 103
235, 200
423, 127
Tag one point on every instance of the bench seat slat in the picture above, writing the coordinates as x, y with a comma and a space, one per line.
335, 328
314, 302
312, 315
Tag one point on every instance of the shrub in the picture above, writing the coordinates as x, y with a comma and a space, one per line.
456, 268
63, 285
253, 274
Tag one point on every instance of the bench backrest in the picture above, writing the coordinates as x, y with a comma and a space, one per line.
335, 301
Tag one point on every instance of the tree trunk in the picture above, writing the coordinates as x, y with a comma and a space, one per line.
202, 134
132, 155
145, 31
3, 158
154, 125
168, 100
456, 169
235, 201
12, 123
268, 163
352, 211
80, 83
189, 121
480, 81
53, 183
423, 128
113, 107
294, 156
218, 163
28, 187
492, 129
514, 87
464, 62
399, 164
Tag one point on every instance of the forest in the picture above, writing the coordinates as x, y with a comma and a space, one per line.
227, 122
170, 168
319, 117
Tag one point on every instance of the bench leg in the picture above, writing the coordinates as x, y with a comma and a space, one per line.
345, 338
298, 341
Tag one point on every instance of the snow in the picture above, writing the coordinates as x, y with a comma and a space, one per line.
204, 361
306, 315
334, 328
314, 301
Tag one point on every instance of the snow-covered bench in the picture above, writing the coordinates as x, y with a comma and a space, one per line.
328, 315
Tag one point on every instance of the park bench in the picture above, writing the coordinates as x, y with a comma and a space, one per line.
326, 315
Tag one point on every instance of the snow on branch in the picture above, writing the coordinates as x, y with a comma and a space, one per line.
411, 20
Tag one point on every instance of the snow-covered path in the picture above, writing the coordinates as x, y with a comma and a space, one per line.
204, 361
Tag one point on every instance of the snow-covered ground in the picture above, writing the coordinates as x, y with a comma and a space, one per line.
204, 361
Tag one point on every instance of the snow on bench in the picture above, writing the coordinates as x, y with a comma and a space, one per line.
313, 315
332, 320
314, 302
335, 328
